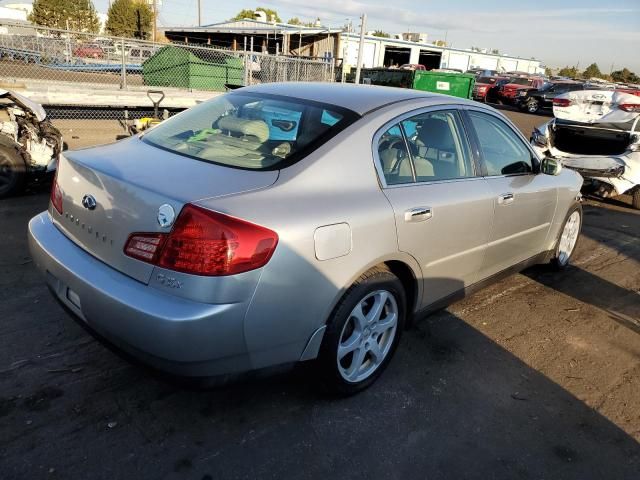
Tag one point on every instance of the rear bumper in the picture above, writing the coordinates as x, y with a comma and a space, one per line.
172, 334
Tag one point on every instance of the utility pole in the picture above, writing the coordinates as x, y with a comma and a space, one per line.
199, 14
155, 20
363, 24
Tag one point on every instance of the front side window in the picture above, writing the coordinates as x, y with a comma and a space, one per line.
504, 153
251, 131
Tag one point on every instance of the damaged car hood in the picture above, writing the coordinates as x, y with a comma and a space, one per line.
596, 106
25, 103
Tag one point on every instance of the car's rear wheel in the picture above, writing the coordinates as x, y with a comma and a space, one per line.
568, 239
533, 106
363, 332
635, 198
12, 171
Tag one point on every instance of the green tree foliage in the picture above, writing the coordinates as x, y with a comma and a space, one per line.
77, 15
625, 76
571, 72
246, 13
380, 33
592, 71
130, 18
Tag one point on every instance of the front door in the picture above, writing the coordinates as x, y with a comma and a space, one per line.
443, 207
524, 201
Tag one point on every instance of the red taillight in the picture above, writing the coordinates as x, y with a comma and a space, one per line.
56, 193
630, 107
561, 102
145, 246
203, 242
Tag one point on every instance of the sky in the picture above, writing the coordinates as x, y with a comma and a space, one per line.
559, 32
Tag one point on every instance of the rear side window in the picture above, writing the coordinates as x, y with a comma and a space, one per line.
503, 152
425, 148
251, 131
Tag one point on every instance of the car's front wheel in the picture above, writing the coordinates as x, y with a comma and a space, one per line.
12, 171
363, 332
568, 239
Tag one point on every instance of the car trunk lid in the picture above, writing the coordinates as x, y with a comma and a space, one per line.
595, 106
129, 181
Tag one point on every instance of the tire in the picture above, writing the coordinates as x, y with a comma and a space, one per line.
12, 171
564, 251
355, 371
635, 198
533, 106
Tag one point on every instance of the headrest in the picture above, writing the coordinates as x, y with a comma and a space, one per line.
255, 128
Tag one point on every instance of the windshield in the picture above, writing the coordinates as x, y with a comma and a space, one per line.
521, 81
251, 131
490, 80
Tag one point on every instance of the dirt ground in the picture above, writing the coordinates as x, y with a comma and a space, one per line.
535, 377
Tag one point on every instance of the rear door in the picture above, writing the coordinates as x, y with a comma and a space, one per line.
524, 202
443, 208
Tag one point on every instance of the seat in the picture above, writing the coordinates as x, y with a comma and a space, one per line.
436, 148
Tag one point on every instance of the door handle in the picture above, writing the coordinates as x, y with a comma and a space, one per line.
418, 214
505, 199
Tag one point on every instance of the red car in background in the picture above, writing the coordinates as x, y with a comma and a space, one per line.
88, 50
484, 85
509, 92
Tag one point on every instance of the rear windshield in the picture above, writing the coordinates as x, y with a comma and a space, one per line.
251, 131
487, 80
522, 81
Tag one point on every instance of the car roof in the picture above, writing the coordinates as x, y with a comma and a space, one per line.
357, 98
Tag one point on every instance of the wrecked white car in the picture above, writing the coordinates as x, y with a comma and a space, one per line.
595, 132
29, 143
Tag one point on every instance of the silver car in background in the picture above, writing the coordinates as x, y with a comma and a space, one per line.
289, 222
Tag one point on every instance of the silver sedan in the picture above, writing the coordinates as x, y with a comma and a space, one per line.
291, 222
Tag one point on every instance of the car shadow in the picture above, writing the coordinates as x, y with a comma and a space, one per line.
621, 305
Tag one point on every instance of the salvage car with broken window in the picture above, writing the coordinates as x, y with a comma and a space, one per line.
29, 143
596, 133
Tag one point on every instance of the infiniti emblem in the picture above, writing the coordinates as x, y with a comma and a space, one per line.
166, 215
89, 202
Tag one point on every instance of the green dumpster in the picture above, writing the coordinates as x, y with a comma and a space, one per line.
454, 84
182, 67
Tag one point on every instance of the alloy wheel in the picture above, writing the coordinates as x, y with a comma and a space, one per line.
367, 336
569, 238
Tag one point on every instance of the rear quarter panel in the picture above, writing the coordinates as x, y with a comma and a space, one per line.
296, 293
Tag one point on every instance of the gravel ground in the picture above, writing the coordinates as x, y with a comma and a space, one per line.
535, 377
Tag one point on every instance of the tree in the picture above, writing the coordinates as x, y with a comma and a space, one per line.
592, 71
130, 18
380, 33
245, 13
625, 76
571, 72
548, 71
495, 51
294, 21
77, 15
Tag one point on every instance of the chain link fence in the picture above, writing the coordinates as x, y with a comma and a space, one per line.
95, 85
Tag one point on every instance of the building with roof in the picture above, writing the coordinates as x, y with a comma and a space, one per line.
334, 43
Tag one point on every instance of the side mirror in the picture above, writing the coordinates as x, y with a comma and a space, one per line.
550, 166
